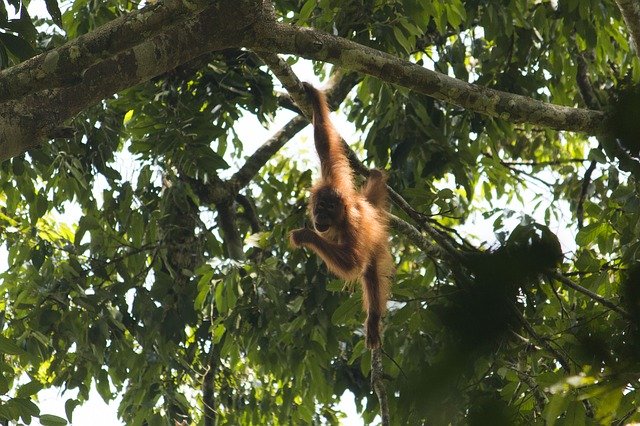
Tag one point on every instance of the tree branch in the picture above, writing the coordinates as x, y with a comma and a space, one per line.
584, 188
630, 10
377, 374
258, 159
413, 234
289, 80
577, 287
28, 121
337, 90
227, 222
65, 65
314, 44
250, 213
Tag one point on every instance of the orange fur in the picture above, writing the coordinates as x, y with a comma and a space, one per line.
356, 247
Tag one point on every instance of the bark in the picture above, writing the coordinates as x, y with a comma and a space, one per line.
64, 66
313, 44
156, 39
227, 218
28, 121
630, 10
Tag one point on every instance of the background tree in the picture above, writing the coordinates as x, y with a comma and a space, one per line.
175, 288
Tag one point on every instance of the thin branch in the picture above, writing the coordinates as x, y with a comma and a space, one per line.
558, 162
555, 293
541, 340
630, 10
538, 394
443, 240
258, 159
591, 100
584, 188
411, 232
227, 222
577, 287
289, 80
377, 374
208, 389
249, 213
584, 83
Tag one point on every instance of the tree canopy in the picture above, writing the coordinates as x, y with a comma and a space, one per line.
509, 130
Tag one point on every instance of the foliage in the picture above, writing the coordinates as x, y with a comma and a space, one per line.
119, 273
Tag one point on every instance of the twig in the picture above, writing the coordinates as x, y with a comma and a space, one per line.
411, 232
604, 302
377, 373
630, 10
555, 293
541, 340
538, 394
249, 212
267, 150
586, 181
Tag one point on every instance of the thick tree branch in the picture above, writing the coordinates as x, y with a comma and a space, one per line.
28, 121
227, 222
313, 44
630, 10
64, 66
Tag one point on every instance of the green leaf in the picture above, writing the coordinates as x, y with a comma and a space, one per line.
347, 311
17, 46
69, 406
8, 347
218, 333
231, 295
54, 11
589, 234
204, 288
26, 408
305, 12
221, 303
557, 405
51, 420
28, 389
400, 37
296, 304
576, 414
